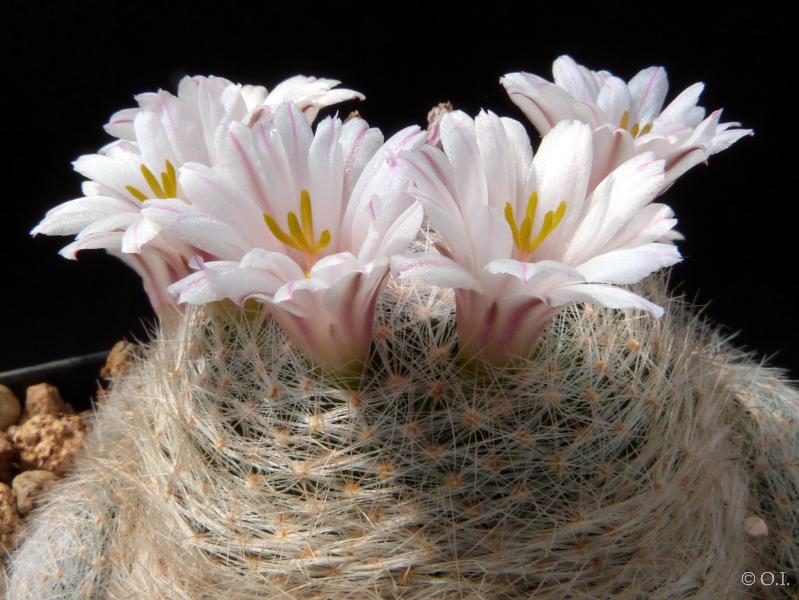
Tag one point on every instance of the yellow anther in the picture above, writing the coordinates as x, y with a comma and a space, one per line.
136, 193
166, 188
636, 129
300, 234
278, 232
523, 235
307, 216
296, 233
512, 222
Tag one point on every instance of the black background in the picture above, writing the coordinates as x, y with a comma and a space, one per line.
68, 67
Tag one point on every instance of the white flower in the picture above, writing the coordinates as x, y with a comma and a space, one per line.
628, 118
524, 235
204, 103
304, 222
155, 139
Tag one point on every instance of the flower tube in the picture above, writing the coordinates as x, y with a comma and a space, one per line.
523, 236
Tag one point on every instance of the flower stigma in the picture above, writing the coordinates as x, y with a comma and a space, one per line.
167, 188
301, 235
636, 129
523, 235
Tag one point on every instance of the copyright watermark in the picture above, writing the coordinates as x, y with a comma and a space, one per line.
766, 578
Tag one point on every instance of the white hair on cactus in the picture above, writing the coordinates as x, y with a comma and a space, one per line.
622, 458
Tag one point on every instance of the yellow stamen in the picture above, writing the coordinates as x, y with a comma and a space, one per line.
278, 232
152, 181
532, 205
300, 234
170, 180
307, 216
526, 229
636, 129
523, 236
512, 222
296, 233
167, 188
136, 193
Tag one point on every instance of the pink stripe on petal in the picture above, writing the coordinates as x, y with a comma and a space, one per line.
248, 165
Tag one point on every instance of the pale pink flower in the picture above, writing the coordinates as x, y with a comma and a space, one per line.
628, 118
302, 221
524, 236
155, 139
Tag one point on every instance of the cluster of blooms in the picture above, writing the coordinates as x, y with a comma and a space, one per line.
227, 192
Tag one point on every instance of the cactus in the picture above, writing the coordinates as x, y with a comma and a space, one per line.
619, 460
315, 419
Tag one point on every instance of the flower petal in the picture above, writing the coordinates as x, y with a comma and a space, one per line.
648, 91
496, 159
382, 186
604, 295
114, 173
683, 110
359, 142
222, 280
277, 263
72, 216
194, 227
614, 202
435, 188
614, 99
397, 237
326, 176
138, 234
612, 147
575, 79
310, 94
526, 272
111, 240
332, 267
460, 145
562, 170
543, 103
434, 269
216, 197
629, 265
120, 125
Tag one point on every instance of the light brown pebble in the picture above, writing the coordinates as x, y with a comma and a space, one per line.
9, 519
10, 408
8, 454
119, 360
755, 527
27, 487
43, 399
48, 442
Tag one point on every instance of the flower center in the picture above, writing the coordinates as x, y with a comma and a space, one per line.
635, 130
523, 235
300, 235
167, 188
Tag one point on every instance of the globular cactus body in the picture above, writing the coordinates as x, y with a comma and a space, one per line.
619, 460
